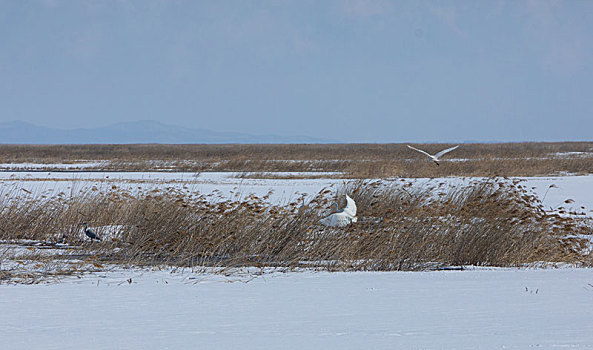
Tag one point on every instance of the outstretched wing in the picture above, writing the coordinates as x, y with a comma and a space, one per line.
445, 151
419, 150
350, 207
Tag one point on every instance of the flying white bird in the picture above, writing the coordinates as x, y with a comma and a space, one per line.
343, 217
436, 157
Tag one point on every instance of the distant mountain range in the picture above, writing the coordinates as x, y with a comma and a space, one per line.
134, 132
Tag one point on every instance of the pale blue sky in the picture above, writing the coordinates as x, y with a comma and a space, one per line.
356, 70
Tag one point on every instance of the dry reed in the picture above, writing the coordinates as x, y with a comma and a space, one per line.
355, 160
492, 222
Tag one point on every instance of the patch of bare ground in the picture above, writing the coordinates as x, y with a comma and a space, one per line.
492, 222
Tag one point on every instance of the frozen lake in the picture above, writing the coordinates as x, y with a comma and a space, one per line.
473, 309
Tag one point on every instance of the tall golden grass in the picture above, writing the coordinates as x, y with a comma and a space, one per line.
492, 222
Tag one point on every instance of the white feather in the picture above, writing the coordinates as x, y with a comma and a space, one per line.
441, 153
350, 207
436, 157
344, 217
337, 220
419, 150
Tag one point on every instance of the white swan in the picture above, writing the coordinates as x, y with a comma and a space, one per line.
436, 157
343, 217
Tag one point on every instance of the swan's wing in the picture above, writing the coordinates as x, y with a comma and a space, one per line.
337, 220
445, 151
350, 207
327, 221
419, 150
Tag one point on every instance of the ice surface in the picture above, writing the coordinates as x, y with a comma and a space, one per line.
475, 309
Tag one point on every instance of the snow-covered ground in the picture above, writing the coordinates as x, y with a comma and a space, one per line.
474, 309
43, 166
133, 309
577, 188
231, 186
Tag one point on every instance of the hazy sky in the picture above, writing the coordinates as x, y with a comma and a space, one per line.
356, 70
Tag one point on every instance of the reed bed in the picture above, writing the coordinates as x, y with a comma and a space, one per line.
492, 222
354, 160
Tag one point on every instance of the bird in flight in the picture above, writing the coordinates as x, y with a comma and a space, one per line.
436, 157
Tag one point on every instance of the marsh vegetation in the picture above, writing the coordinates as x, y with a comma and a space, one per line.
488, 222
352, 160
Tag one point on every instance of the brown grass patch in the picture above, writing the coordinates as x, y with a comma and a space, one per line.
356, 160
489, 223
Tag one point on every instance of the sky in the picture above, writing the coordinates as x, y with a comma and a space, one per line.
352, 70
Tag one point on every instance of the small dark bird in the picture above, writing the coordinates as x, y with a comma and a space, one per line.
90, 233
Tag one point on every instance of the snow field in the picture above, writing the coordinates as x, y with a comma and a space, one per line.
473, 309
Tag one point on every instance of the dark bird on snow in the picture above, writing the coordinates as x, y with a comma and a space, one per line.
90, 233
